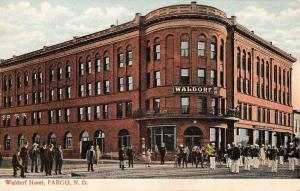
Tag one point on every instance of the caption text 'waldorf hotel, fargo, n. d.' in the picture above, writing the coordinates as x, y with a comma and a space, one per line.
182, 74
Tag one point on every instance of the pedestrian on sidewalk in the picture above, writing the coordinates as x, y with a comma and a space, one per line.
291, 154
247, 155
17, 164
193, 155
281, 154
180, 154
262, 155
272, 158
268, 155
235, 157
34, 158
98, 154
49, 158
130, 156
228, 156
42, 156
255, 155
185, 157
58, 159
148, 158
90, 158
156, 151
212, 155
162, 152
122, 157
24, 156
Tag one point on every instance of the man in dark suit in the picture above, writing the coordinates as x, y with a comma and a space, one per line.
42, 156
130, 156
17, 164
24, 156
122, 157
49, 158
235, 157
34, 158
162, 152
58, 159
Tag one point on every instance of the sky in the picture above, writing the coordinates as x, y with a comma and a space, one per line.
31, 24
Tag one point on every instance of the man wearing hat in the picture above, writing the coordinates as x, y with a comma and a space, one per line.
24, 156
91, 158
42, 156
162, 152
281, 154
255, 155
17, 164
247, 155
212, 157
122, 157
235, 157
272, 158
228, 156
262, 155
34, 158
130, 156
291, 151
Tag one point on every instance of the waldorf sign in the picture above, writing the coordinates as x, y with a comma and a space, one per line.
193, 90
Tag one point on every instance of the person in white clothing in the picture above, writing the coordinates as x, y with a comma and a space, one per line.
262, 155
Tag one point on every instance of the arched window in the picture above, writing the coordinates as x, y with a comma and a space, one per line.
68, 70
26, 79
106, 61
19, 81
52, 139
34, 78
257, 66
120, 58
244, 59
97, 63
51, 74
40, 77
7, 142
21, 140
213, 48
249, 63
262, 68
59, 73
88, 65
84, 136
222, 50
129, 56
193, 136
81, 66
124, 138
5, 83
238, 58
202, 46
184, 45
68, 141
36, 138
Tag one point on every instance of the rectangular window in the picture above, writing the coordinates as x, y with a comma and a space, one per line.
119, 110
258, 68
249, 87
81, 69
105, 111
128, 109
59, 74
148, 80
67, 115
222, 78
89, 67
121, 84
81, 90
184, 48
185, 105
184, 77
212, 135
268, 116
68, 72
60, 94
106, 63
213, 78
214, 106
19, 101
244, 86
106, 87
202, 105
68, 92
156, 105
213, 51
263, 91
129, 83
129, 58
275, 74
88, 113
80, 114
201, 49
51, 75
147, 105
201, 77
259, 114
59, 116
157, 52
97, 112
156, 78
258, 89
162, 134
89, 89
26, 97
250, 112
245, 110
51, 97
262, 70
120, 60
263, 115
148, 53
98, 88
50, 117
98, 65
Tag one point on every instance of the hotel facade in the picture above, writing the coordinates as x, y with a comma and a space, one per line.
183, 74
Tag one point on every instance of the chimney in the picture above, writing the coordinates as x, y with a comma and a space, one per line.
138, 18
233, 19
194, 6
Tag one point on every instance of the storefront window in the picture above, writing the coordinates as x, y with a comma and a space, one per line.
212, 135
165, 134
243, 137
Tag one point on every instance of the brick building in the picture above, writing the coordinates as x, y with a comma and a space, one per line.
182, 74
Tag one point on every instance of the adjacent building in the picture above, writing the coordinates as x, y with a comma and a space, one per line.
182, 74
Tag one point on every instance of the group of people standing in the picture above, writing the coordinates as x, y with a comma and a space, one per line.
39, 156
255, 156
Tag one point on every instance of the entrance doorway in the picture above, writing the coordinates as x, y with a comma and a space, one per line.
99, 140
85, 143
193, 137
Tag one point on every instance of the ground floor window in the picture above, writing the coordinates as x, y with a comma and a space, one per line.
192, 137
243, 136
162, 134
7, 142
213, 135
99, 140
52, 139
21, 141
68, 141
124, 138
36, 139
